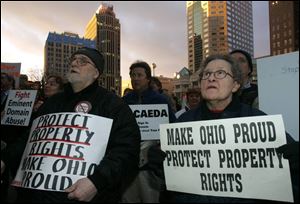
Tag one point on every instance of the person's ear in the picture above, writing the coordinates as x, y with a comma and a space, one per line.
97, 74
236, 87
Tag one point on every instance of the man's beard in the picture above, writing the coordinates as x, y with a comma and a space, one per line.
73, 78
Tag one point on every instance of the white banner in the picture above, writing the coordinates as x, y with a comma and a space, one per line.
18, 107
230, 158
149, 117
61, 149
278, 80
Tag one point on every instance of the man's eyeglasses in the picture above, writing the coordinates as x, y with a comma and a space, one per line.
219, 74
81, 61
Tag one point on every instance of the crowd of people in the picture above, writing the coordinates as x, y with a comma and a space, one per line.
131, 169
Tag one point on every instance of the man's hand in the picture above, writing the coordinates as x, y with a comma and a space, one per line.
291, 152
82, 190
156, 158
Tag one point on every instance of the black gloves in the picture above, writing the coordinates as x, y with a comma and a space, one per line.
291, 152
155, 160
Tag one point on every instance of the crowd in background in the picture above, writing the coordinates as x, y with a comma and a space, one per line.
132, 170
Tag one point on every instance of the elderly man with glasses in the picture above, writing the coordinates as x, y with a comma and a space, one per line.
120, 162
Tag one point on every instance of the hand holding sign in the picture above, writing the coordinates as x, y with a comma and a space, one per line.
228, 158
155, 160
83, 190
61, 149
291, 152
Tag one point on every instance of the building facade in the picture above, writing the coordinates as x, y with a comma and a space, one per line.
218, 27
181, 82
167, 83
58, 50
194, 26
214, 27
284, 26
104, 29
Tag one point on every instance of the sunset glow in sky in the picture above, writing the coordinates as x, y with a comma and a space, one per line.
151, 31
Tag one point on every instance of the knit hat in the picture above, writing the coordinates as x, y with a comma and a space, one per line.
96, 57
248, 57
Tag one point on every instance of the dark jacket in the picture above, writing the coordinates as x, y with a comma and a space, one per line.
234, 110
120, 162
248, 95
149, 97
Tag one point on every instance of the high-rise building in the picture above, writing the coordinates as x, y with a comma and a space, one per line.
104, 28
58, 50
284, 26
218, 27
194, 23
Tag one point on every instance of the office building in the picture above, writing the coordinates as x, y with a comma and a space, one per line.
58, 50
104, 29
284, 26
217, 27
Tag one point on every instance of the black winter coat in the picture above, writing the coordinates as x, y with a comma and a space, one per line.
120, 162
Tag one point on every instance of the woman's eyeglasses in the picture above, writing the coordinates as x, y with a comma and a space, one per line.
219, 74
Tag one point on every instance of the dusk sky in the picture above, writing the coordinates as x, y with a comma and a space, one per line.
151, 31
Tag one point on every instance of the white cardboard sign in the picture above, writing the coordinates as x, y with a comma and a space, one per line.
149, 117
278, 88
229, 157
62, 148
18, 107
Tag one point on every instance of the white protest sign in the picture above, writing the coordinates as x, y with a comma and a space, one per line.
149, 117
61, 149
230, 158
278, 82
18, 107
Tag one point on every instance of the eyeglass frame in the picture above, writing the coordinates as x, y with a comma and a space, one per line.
214, 74
81, 61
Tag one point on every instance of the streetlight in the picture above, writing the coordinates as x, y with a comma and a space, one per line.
153, 67
176, 75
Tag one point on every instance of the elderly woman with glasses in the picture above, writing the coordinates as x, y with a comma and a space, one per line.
220, 81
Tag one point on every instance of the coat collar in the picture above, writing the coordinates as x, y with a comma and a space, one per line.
232, 110
70, 92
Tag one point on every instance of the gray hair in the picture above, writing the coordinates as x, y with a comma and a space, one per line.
234, 66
